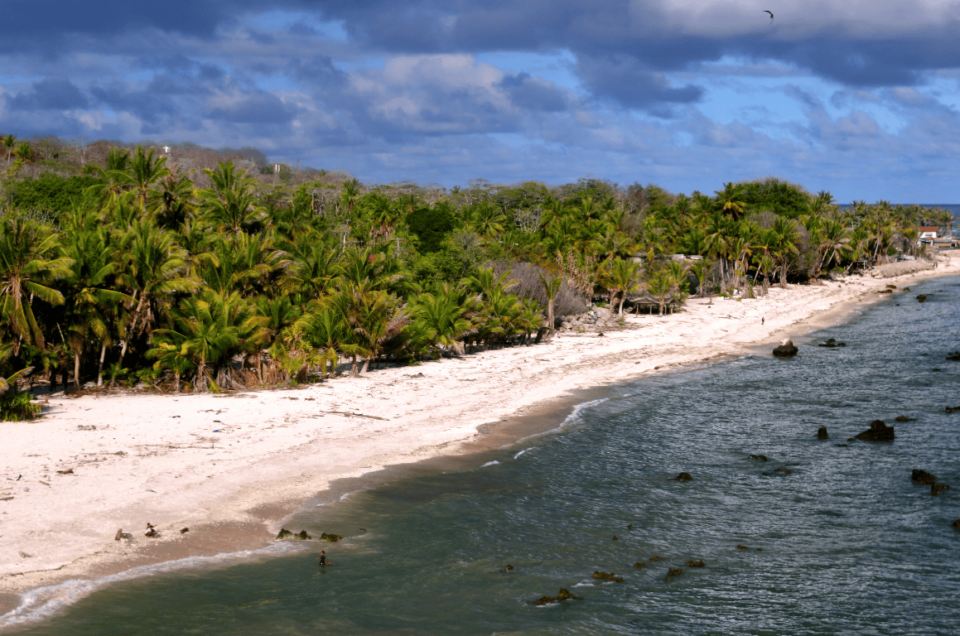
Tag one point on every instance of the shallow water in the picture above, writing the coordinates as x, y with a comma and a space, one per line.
848, 544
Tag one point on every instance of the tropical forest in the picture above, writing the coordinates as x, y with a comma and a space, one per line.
184, 269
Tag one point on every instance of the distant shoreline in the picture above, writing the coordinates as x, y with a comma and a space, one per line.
233, 468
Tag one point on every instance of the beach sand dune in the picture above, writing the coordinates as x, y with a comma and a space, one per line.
232, 467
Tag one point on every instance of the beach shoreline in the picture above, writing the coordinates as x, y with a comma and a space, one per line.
233, 468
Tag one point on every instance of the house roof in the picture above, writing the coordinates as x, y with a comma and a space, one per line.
929, 229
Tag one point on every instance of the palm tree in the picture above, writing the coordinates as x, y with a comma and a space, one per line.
551, 287
89, 298
624, 277
9, 142
230, 205
326, 331
30, 259
444, 317
660, 286
730, 200
144, 171
785, 237
154, 266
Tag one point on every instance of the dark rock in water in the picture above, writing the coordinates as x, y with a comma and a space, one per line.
615, 538
363, 529
831, 343
564, 595
842, 445
936, 370
696, 564
885, 291
841, 344
639, 564
953, 356
674, 571
630, 526
822, 433
284, 533
906, 289
879, 432
953, 409
330, 537
956, 524
743, 547
923, 477
509, 567
785, 471
850, 439
184, 530
683, 477
786, 349
608, 576
302, 536
654, 559
762, 458
936, 489
922, 297
904, 418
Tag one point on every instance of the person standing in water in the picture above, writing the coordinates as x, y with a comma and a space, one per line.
322, 559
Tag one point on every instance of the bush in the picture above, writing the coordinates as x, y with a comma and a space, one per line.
48, 193
16, 406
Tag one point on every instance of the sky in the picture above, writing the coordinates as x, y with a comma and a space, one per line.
858, 98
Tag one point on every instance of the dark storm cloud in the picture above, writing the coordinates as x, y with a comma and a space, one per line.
50, 94
627, 81
530, 94
261, 108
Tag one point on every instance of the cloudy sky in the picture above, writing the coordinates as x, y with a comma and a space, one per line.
859, 98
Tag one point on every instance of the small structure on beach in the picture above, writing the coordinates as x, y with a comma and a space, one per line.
928, 232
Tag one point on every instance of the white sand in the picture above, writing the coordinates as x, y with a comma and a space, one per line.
157, 458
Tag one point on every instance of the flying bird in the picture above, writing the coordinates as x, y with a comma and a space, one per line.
771, 14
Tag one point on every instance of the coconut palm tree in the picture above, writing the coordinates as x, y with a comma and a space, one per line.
551, 287
30, 259
785, 237
444, 317
624, 278
9, 142
154, 266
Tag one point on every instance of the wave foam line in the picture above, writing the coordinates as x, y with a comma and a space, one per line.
43, 602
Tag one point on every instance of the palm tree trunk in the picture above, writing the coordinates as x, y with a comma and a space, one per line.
76, 371
132, 329
103, 353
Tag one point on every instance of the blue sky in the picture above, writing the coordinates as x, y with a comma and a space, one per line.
859, 98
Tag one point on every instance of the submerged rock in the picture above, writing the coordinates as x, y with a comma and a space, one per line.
785, 471
842, 445
923, 477
683, 477
938, 489
891, 286
831, 343
956, 524
674, 571
904, 418
822, 433
696, 564
953, 356
762, 458
922, 297
952, 409
330, 537
879, 432
786, 349
564, 595
654, 559
608, 576
639, 564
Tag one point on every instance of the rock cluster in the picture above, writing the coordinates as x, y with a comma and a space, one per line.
822, 433
608, 576
786, 349
923, 477
564, 595
879, 432
596, 319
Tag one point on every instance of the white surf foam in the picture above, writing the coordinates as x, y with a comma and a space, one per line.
43, 602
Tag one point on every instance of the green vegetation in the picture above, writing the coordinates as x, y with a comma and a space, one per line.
202, 271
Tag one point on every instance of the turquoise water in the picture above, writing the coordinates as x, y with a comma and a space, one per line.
848, 544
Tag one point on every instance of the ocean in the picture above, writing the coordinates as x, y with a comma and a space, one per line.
824, 537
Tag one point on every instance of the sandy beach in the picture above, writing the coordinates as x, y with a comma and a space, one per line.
232, 467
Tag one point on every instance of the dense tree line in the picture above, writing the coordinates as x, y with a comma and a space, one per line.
140, 270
